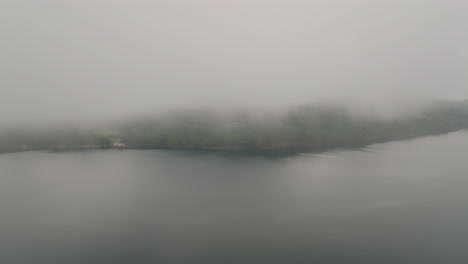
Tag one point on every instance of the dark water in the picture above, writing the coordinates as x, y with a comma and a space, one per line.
401, 202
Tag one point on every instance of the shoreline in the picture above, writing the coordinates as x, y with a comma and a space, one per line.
290, 148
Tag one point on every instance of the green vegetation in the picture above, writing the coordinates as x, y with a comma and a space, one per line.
45, 137
302, 127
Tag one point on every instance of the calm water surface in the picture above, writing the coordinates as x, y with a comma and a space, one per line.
400, 202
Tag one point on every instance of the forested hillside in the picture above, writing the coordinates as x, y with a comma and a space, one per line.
305, 126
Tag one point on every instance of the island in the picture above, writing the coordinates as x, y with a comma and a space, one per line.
304, 127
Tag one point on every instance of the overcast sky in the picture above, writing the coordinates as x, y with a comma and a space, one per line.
95, 58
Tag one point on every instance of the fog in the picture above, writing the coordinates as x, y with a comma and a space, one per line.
88, 59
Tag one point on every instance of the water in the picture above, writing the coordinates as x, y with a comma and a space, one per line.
399, 202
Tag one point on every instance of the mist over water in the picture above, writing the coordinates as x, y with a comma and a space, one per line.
87, 60
83, 78
399, 202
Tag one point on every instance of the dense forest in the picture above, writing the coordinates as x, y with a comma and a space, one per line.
302, 127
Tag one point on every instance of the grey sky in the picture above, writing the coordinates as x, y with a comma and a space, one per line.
94, 58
